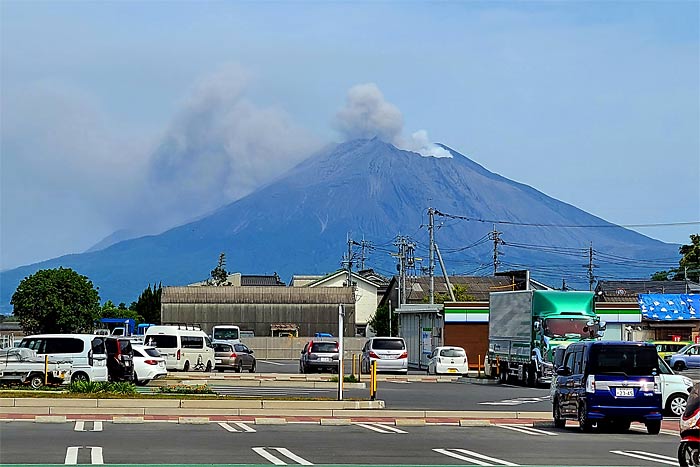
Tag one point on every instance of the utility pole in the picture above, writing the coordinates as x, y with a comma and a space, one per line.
431, 260
364, 244
496, 237
591, 277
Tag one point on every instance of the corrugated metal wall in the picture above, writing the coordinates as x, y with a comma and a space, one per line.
257, 308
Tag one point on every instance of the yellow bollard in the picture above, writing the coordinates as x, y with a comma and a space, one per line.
478, 367
353, 365
373, 381
46, 370
498, 366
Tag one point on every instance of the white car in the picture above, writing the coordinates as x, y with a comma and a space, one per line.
448, 360
148, 364
674, 390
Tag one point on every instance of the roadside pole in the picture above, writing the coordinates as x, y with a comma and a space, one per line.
341, 315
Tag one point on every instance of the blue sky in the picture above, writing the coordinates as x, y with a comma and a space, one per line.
594, 103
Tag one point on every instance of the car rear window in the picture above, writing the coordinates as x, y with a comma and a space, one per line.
163, 341
125, 346
152, 352
631, 360
388, 344
222, 348
452, 353
324, 347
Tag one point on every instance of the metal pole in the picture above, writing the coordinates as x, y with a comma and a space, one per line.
341, 314
389, 318
431, 265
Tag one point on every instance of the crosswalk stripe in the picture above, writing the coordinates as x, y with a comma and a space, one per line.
379, 428
80, 425
648, 456
528, 430
276, 460
72, 455
476, 458
240, 425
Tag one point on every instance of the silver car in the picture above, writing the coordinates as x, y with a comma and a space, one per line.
389, 352
236, 357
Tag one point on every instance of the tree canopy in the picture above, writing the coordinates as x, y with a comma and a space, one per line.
688, 266
379, 322
461, 292
148, 304
56, 301
219, 275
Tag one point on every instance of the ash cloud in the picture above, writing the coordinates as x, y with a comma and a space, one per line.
367, 114
222, 146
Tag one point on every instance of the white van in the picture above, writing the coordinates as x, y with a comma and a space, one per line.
226, 333
184, 347
86, 352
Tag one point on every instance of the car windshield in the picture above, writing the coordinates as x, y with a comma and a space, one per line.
684, 348
633, 360
226, 333
452, 353
567, 327
388, 344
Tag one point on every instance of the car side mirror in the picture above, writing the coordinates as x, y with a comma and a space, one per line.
564, 371
251, 351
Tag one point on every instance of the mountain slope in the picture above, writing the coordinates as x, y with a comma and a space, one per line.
298, 224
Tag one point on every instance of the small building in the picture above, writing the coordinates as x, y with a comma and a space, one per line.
262, 309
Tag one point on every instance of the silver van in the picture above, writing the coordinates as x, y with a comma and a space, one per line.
390, 353
86, 353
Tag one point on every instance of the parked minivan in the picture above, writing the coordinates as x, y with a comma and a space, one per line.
608, 383
389, 352
184, 347
86, 352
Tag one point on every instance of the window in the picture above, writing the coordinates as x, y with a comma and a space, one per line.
324, 347
569, 360
222, 348
163, 341
152, 352
452, 353
35, 344
59, 345
138, 353
241, 348
388, 344
192, 342
98, 346
629, 359
226, 334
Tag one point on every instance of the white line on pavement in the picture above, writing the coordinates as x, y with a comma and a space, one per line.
275, 363
72, 455
648, 456
79, 426
97, 426
285, 452
379, 428
528, 430
475, 459
227, 427
245, 427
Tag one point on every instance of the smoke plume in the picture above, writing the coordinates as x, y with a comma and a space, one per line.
368, 115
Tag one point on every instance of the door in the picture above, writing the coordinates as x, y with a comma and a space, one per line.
693, 357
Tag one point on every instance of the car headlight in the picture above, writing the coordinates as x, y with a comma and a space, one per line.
687, 381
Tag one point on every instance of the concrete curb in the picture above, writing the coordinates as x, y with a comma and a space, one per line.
49, 419
127, 420
474, 422
270, 421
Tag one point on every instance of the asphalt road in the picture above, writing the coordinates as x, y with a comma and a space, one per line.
312, 444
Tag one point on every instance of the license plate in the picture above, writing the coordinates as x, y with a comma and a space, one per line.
452, 370
325, 359
218, 360
624, 392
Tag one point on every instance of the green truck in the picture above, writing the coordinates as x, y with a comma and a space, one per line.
525, 328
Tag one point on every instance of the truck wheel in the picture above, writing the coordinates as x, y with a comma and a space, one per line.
531, 380
36, 381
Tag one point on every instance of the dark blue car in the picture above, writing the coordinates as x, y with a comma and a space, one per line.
609, 384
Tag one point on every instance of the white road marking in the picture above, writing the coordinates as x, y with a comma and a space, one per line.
518, 401
275, 363
80, 425
72, 455
379, 428
648, 456
285, 452
475, 459
643, 429
240, 425
528, 430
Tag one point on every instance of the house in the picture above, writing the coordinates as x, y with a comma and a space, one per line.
365, 293
246, 280
620, 304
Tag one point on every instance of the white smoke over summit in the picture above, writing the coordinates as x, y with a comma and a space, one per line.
367, 115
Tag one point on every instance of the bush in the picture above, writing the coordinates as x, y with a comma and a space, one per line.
102, 387
187, 389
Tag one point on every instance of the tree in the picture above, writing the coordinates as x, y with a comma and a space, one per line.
148, 304
110, 310
56, 301
379, 322
219, 275
689, 264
